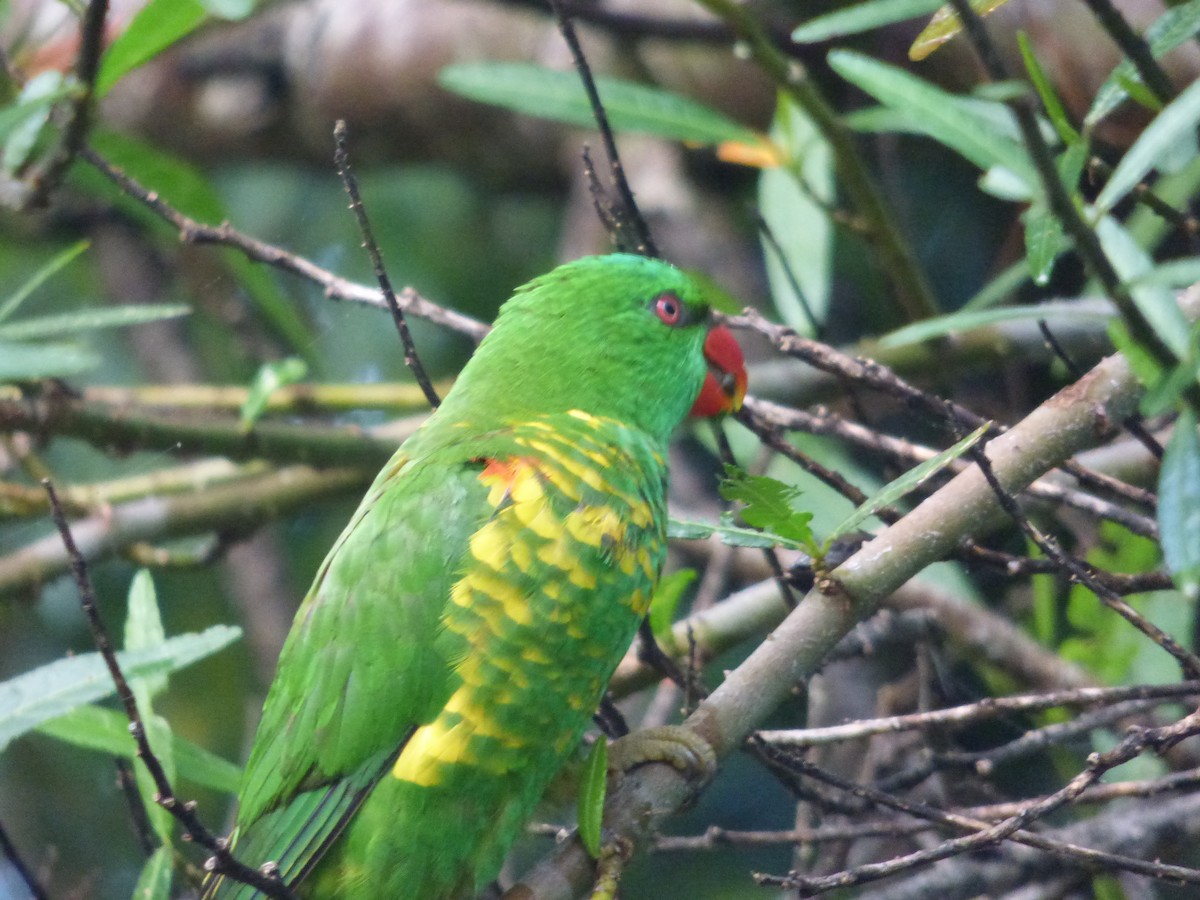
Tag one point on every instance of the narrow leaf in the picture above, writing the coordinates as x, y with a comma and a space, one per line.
1177, 122
861, 17
909, 481
58, 687
969, 319
1175, 26
89, 320
682, 530
956, 122
944, 25
1041, 83
270, 377
1044, 241
21, 123
666, 599
156, 26
107, 731
1179, 505
27, 362
154, 882
551, 94
593, 784
34, 281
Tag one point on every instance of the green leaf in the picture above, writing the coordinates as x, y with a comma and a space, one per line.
1175, 273
944, 25
1044, 241
861, 17
33, 282
154, 882
1051, 103
793, 200
1169, 31
58, 687
107, 731
962, 124
143, 624
22, 122
682, 530
969, 319
89, 320
666, 600
156, 26
769, 504
1156, 303
550, 94
593, 784
1179, 505
269, 378
909, 481
1000, 288
27, 362
1175, 124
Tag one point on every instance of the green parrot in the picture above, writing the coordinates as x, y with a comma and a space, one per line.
461, 632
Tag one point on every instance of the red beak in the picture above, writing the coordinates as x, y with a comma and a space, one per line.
725, 384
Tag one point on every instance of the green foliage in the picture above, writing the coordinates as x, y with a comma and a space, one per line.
1179, 505
270, 377
861, 17
666, 599
769, 505
593, 785
157, 25
559, 96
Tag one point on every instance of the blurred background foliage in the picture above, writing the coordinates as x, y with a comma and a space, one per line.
225, 109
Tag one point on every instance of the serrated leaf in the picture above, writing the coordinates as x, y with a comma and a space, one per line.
593, 784
1176, 123
769, 504
1175, 26
154, 882
1179, 505
666, 599
555, 95
969, 319
51, 690
107, 731
28, 362
958, 123
156, 26
38, 278
89, 320
944, 25
907, 482
861, 17
269, 378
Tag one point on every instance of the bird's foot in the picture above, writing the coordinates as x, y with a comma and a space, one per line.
673, 745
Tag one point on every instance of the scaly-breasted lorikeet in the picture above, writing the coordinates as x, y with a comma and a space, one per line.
462, 630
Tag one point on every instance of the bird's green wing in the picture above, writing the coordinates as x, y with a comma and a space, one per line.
367, 661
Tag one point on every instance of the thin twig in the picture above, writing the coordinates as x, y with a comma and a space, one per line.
334, 286
341, 158
1079, 571
221, 862
632, 233
1135, 47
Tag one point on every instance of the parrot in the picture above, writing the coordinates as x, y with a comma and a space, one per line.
461, 632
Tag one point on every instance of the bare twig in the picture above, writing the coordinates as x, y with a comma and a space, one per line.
341, 159
631, 233
334, 286
221, 862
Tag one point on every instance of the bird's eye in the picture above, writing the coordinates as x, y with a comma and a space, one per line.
669, 308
